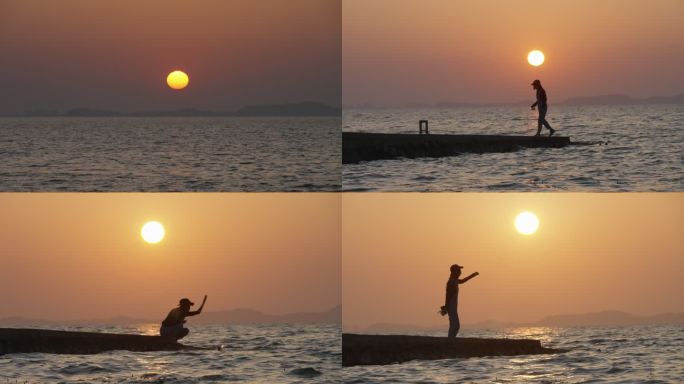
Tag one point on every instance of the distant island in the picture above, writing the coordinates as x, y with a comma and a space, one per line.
296, 109
615, 99
305, 108
229, 317
624, 100
592, 319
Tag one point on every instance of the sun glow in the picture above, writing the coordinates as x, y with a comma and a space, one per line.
526, 223
152, 232
535, 58
177, 80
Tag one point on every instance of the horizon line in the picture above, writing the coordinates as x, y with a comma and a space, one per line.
295, 108
677, 99
534, 323
112, 317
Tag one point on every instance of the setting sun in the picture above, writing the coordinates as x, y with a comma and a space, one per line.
526, 223
152, 232
177, 80
535, 58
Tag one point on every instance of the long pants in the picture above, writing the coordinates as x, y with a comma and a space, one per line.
542, 118
174, 331
454, 322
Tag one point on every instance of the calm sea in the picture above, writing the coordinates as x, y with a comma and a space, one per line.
170, 154
639, 354
257, 354
644, 151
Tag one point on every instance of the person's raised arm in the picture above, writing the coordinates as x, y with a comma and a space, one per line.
199, 310
461, 281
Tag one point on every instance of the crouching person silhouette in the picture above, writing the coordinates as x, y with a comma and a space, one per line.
172, 326
451, 300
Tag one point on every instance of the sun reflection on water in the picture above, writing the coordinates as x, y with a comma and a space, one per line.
150, 329
544, 334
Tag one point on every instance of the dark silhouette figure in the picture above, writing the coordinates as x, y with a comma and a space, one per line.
451, 300
172, 326
543, 107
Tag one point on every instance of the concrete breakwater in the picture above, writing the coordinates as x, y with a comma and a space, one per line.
16, 340
362, 146
389, 349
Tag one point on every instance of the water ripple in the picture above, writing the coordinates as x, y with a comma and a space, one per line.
597, 354
644, 153
170, 154
260, 353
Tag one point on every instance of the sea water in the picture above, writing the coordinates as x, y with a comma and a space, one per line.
312, 354
634, 354
294, 353
635, 148
170, 154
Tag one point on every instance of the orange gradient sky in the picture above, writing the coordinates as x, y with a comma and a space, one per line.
406, 51
592, 252
116, 54
81, 256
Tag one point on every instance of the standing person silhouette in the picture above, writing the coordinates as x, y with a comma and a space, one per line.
451, 299
172, 326
542, 106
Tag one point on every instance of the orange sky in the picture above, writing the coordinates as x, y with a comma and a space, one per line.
71, 256
592, 252
116, 54
403, 51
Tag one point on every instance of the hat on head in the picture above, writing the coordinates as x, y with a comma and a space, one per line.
536, 82
186, 301
455, 268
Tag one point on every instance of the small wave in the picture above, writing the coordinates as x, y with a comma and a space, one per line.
424, 178
307, 372
215, 377
506, 186
76, 369
378, 176
615, 369
584, 180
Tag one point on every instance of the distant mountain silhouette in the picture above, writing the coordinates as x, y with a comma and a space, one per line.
623, 100
41, 112
250, 316
450, 104
307, 108
187, 112
296, 109
592, 319
231, 316
608, 318
616, 99
90, 112
34, 322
